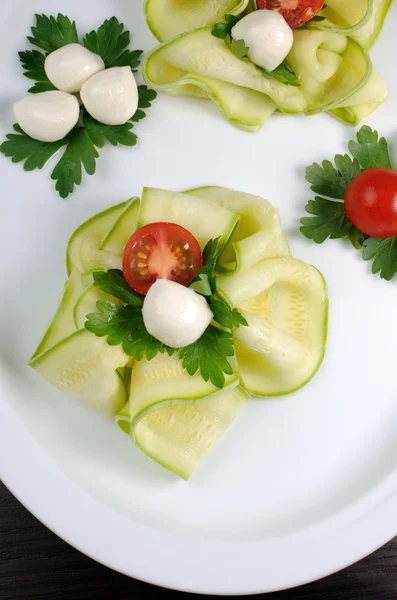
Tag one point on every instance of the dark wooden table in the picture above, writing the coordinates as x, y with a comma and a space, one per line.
37, 565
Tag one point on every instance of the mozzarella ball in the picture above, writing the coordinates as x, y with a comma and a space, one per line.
174, 314
111, 96
267, 35
70, 66
48, 116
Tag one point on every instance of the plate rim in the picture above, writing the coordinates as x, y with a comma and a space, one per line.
30, 470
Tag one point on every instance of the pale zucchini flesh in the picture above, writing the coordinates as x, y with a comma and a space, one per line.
169, 18
258, 234
198, 54
85, 366
87, 303
206, 220
360, 19
84, 247
63, 324
286, 304
176, 418
123, 228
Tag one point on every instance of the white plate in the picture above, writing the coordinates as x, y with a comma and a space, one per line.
301, 486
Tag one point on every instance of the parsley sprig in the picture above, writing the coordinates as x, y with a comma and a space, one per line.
81, 145
328, 217
223, 31
210, 354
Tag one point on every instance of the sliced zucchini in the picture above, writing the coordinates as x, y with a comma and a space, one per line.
286, 304
331, 68
258, 234
84, 246
199, 53
62, 324
364, 102
242, 107
175, 418
84, 366
117, 237
86, 303
360, 19
168, 18
204, 219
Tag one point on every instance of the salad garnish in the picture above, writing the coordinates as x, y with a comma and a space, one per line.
176, 365
365, 186
111, 43
125, 324
282, 41
223, 30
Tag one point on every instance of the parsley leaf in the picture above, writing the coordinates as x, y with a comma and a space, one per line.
35, 154
111, 42
330, 181
282, 73
145, 99
204, 282
224, 30
225, 316
384, 253
238, 47
99, 133
124, 325
209, 355
80, 151
368, 150
33, 63
51, 33
329, 221
113, 282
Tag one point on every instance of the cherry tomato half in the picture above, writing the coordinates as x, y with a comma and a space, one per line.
371, 202
160, 251
295, 12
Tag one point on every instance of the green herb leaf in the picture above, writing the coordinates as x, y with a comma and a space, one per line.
224, 316
99, 133
282, 73
201, 284
224, 30
238, 47
146, 96
330, 181
80, 151
368, 150
209, 354
384, 253
221, 30
33, 63
51, 33
20, 147
124, 325
113, 282
329, 221
204, 282
111, 42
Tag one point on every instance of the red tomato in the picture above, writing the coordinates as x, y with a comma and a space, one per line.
371, 202
295, 12
160, 250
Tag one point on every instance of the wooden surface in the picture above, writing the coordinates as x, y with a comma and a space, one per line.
37, 565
